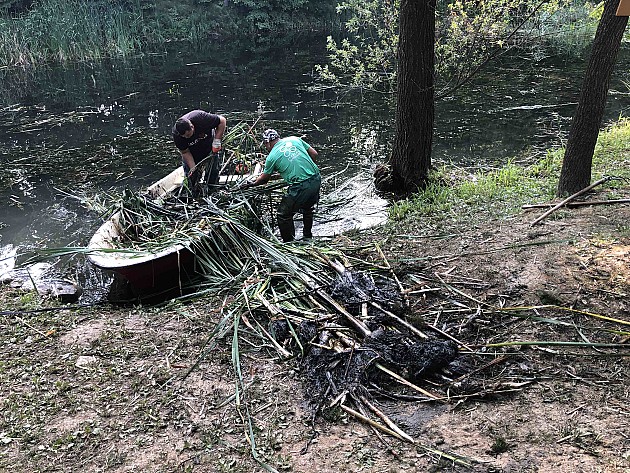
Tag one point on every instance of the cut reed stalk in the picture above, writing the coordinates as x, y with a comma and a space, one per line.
387, 420
407, 383
371, 422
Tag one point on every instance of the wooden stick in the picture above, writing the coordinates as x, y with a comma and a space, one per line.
450, 337
409, 384
274, 310
496, 361
578, 204
374, 424
370, 422
400, 321
568, 199
386, 419
358, 324
374, 429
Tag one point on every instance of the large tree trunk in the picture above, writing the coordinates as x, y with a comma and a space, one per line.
411, 153
578, 157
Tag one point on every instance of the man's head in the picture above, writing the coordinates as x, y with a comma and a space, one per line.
270, 136
184, 127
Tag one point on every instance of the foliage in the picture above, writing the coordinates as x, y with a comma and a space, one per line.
275, 15
457, 193
15, 6
569, 30
370, 55
467, 34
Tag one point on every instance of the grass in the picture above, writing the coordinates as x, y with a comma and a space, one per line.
458, 193
499, 445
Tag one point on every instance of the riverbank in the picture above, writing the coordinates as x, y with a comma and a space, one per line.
102, 388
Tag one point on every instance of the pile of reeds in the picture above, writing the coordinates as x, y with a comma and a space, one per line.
360, 346
344, 318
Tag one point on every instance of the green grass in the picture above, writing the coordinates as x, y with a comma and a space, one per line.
455, 193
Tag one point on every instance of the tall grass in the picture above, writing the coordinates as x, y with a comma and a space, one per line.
68, 30
65, 30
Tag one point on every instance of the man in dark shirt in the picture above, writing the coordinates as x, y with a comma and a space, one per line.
196, 135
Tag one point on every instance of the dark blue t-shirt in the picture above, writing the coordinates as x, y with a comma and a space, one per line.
200, 143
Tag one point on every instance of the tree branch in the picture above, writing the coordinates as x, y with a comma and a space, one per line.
568, 199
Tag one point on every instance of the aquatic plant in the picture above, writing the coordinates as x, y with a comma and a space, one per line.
65, 30
71, 30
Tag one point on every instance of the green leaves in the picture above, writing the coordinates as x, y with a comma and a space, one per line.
370, 53
468, 34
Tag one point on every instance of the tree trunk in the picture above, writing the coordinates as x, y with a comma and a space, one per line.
411, 153
578, 157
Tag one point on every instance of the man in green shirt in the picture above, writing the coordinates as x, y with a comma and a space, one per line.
293, 159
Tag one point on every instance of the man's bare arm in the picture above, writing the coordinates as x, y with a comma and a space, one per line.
218, 134
187, 157
262, 179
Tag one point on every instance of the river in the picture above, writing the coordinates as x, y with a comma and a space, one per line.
91, 128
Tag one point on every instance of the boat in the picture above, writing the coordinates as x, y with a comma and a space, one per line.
150, 274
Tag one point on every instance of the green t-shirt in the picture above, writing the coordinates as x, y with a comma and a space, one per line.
289, 158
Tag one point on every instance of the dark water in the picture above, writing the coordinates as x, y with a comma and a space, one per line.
89, 128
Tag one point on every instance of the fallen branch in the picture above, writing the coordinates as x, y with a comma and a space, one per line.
367, 420
578, 204
496, 361
358, 324
386, 419
558, 344
400, 321
568, 309
409, 384
569, 199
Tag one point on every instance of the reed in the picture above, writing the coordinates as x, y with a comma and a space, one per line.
66, 30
